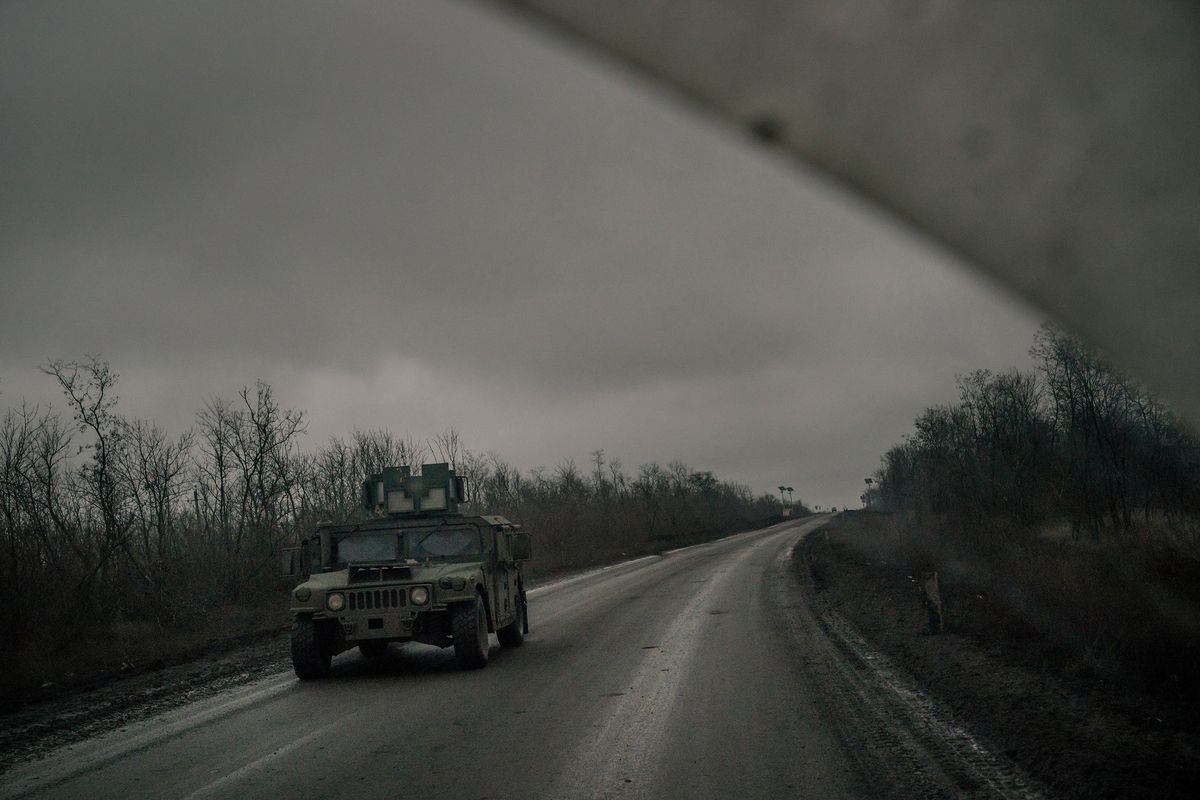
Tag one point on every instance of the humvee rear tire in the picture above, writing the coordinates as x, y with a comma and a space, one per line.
470, 629
311, 652
513, 634
373, 649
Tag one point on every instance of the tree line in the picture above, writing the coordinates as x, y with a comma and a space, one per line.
106, 519
1072, 441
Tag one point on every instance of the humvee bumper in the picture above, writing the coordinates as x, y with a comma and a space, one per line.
392, 625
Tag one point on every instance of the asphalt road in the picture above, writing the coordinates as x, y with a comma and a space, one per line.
686, 675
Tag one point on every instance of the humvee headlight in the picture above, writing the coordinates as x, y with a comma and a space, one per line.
336, 601
303, 593
419, 596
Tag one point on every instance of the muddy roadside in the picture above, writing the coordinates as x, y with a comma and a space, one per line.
1081, 735
76, 714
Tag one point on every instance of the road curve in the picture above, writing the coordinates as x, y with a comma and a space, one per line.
682, 675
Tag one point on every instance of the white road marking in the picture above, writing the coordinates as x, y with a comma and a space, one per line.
561, 582
75, 759
624, 747
209, 789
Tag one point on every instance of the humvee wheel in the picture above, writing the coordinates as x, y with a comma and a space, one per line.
310, 650
513, 634
469, 626
373, 649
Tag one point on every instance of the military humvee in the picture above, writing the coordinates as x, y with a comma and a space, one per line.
417, 571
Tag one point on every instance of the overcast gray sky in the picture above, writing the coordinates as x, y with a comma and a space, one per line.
423, 214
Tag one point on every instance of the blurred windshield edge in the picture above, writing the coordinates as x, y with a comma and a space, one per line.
1052, 145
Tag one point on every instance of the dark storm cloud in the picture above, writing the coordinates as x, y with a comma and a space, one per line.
228, 175
398, 212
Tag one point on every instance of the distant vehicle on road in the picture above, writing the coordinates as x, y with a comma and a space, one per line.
418, 570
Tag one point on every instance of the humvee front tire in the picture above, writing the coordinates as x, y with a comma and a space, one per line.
311, 652
470, 629
376, 648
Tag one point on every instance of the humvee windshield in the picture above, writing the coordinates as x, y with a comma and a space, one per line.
358, 547
440, 543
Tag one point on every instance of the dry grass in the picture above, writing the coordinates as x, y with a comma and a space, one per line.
53, 664
1028, 650
1126, 607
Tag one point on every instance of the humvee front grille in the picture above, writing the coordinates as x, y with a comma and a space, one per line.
374, 599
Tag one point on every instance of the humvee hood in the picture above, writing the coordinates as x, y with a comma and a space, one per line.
431, 573
392, 573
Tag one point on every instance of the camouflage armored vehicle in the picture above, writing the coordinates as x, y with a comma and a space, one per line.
417, 570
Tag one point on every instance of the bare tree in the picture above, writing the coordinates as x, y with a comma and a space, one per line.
151, 465
214, 468
33, 445
448, 446
90, 389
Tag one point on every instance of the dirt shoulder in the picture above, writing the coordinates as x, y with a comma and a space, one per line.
76, 714
1082, 736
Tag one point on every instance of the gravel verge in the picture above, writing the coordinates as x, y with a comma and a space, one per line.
1080, 735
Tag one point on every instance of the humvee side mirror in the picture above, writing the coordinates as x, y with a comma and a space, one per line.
522, 548
291, 562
